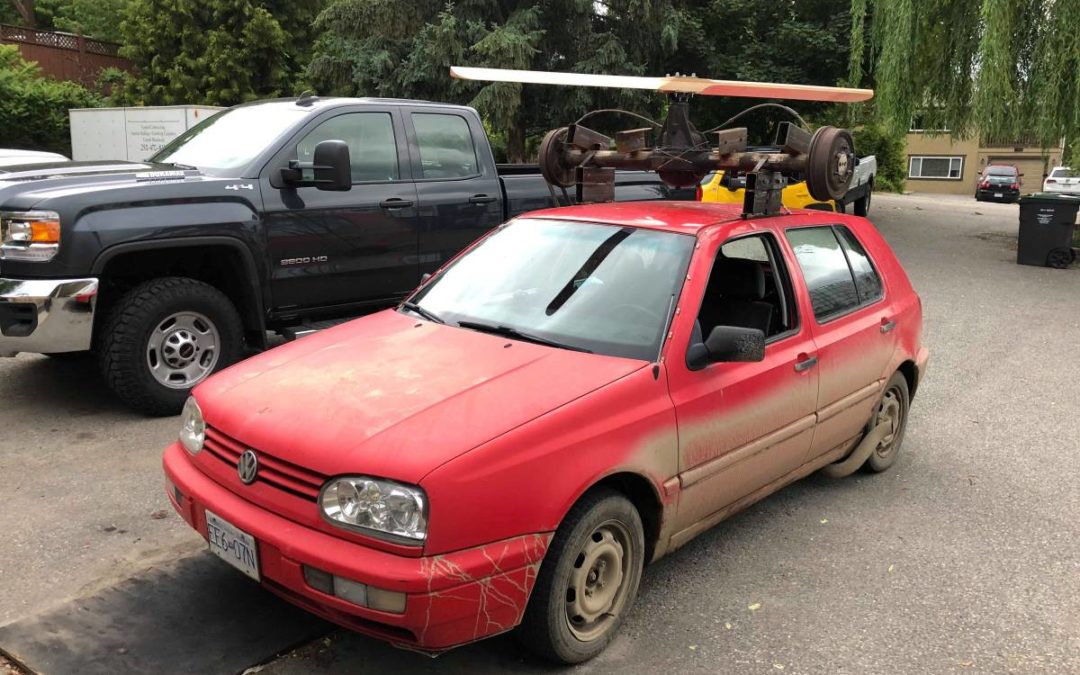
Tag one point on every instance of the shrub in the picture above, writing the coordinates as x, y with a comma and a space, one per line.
872, 139
34, 108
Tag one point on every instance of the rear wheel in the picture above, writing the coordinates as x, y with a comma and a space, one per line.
588, 580
1060, 258
862, 204
892, 410
164, 337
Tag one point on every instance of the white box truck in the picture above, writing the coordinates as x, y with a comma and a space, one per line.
132, 134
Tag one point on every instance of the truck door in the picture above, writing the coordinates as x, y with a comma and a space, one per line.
459, 193
357, 247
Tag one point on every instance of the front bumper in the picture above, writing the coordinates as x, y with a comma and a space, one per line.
46, 316
452, 599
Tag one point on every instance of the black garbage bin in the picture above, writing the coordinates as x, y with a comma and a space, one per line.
1047, 224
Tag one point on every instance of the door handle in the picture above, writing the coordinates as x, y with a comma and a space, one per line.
805, 362
887, 325
481, 199
396, 203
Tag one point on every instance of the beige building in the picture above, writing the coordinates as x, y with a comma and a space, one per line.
938, 163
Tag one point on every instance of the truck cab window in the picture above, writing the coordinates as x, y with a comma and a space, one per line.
748, 287
446, 146
370, 137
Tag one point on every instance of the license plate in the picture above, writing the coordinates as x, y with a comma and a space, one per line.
232, 545
999, 194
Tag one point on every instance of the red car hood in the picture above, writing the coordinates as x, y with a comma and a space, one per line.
392, 396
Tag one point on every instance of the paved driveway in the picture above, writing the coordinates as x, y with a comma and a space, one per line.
964, 557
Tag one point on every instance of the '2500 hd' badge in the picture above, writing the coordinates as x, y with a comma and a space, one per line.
307, 260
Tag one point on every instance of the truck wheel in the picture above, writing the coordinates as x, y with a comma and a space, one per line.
588, 580
862, 204
165, 336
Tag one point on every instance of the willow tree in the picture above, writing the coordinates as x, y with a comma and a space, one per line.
1000, 68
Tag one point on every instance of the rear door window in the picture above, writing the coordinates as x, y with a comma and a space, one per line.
446, 146
825, 269
867, 281
839, 274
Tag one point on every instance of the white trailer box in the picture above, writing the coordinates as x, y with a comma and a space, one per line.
133, 134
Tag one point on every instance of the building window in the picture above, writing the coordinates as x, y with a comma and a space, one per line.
942, 168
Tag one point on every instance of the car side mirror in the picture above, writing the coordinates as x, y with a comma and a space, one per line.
727, 344
332, 166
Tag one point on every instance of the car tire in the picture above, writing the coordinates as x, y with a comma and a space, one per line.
162, 338
588, 580
892, 408
862, 204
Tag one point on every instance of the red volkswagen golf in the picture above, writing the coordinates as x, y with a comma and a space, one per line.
581, 392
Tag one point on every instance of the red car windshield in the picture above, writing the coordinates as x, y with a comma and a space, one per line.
592, 287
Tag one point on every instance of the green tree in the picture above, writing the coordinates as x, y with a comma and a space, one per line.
217, 52
34, 108
93, 18
389, 48
1002, 69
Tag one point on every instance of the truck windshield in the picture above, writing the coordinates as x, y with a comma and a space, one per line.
231, 139
587, 286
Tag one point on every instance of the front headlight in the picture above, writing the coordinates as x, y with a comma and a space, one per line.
374, 506
192, 427
31, 236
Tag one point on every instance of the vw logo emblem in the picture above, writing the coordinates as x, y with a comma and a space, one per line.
248, 466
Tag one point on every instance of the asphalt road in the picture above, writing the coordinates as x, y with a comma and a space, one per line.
963, 558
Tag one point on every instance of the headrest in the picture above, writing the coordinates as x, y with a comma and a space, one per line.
739, 278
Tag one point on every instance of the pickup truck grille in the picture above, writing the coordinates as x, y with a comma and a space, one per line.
275, 472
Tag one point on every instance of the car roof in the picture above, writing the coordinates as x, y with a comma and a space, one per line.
683, 217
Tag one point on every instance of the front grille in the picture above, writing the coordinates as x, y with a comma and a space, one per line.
278, 473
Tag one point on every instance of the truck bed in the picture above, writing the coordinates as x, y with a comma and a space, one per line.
525, 189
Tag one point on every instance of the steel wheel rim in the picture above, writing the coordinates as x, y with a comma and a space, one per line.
183, 349
890, 412
596, 590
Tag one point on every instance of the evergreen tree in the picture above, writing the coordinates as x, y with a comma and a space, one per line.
217, 52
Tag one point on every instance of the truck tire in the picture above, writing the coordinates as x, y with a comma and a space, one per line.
163, 337
862, 204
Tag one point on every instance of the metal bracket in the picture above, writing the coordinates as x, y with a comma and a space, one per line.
764, 193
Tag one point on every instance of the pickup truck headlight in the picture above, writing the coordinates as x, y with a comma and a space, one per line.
32, 236
375, 506
192, 427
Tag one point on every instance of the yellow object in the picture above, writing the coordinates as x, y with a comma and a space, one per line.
795, 196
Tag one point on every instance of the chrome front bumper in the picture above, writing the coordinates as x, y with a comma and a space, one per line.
46, 316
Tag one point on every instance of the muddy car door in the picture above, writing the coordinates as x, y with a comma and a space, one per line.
853, 327
742, 425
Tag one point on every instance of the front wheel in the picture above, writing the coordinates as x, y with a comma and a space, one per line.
588, 580
164, 337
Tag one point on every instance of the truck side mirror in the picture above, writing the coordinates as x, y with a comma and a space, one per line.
332, 166
331, 170
727, 344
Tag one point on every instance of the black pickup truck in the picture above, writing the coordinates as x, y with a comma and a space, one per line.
270, 216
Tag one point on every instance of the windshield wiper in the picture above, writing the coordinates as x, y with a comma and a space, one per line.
507, 331
417, 309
